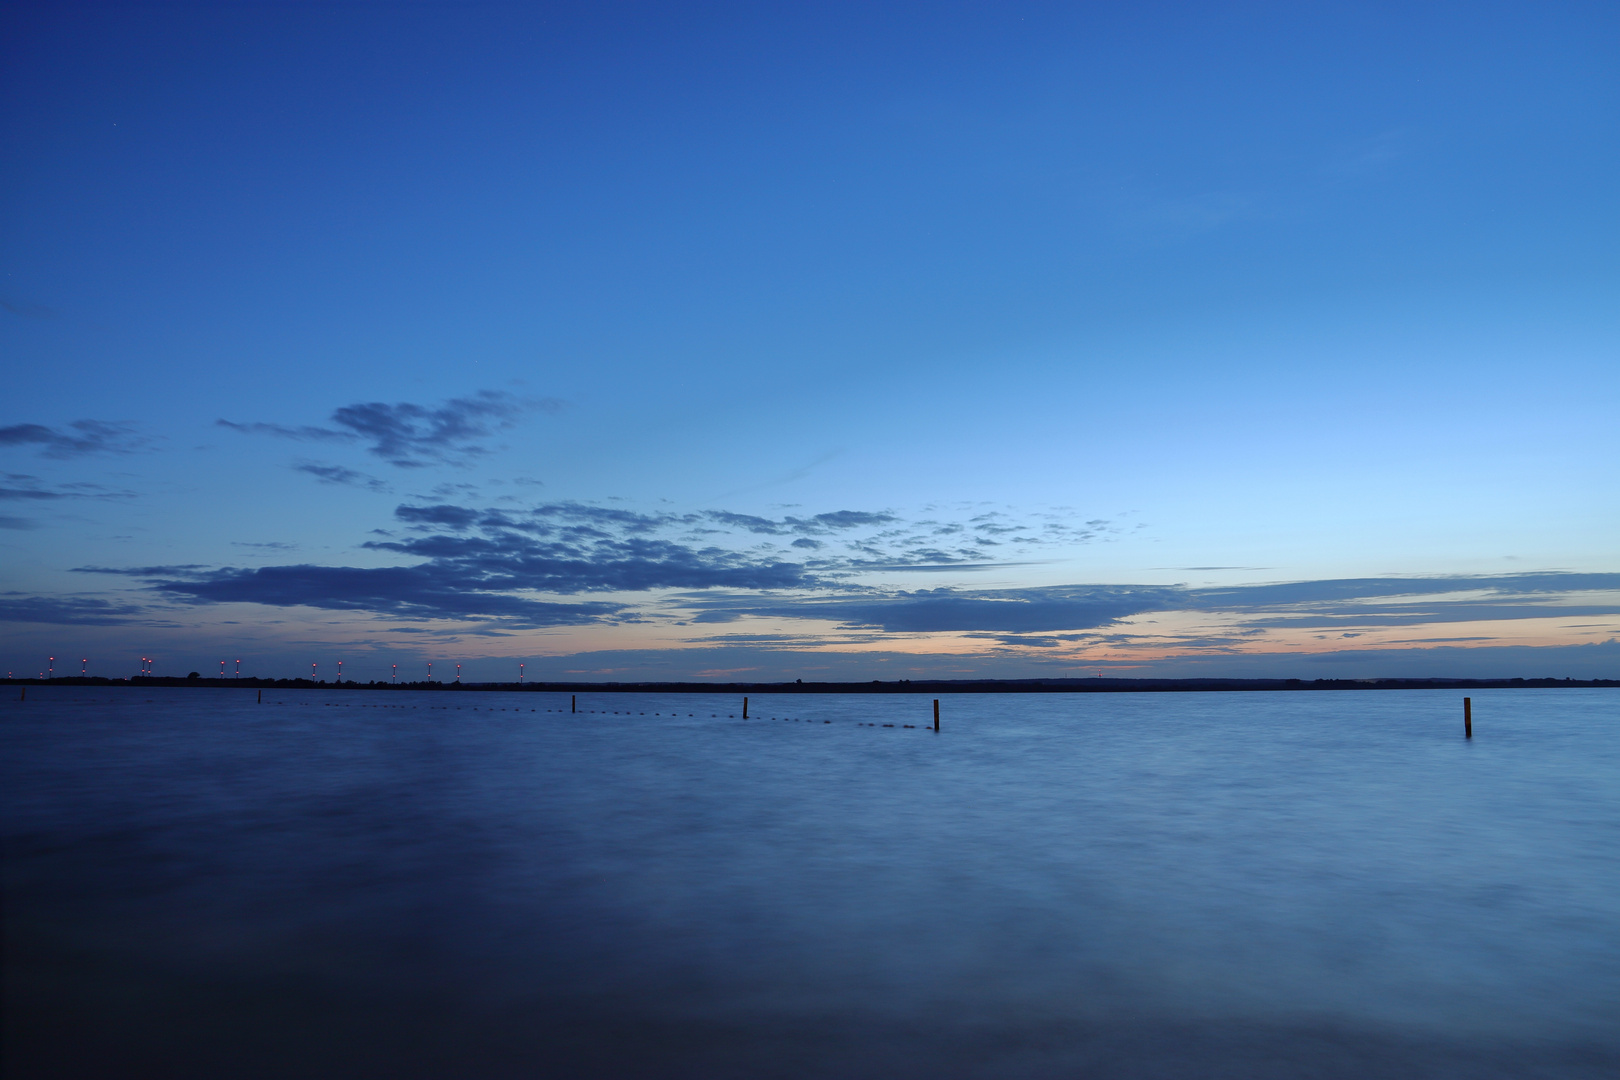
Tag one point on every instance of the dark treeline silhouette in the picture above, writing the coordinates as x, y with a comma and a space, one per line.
900, 686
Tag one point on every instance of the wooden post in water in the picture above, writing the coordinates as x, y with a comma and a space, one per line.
936, 714
261, 697
745, 708
573, 703
1468, 718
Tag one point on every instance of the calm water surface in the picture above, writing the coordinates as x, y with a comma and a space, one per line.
352, 884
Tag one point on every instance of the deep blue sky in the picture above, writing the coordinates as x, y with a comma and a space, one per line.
1298, 292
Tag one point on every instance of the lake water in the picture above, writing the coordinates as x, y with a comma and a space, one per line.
352, 884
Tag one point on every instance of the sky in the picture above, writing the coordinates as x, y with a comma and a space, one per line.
821, 341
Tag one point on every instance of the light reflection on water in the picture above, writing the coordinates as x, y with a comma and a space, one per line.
436, 884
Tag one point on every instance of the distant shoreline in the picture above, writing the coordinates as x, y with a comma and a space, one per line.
920, 686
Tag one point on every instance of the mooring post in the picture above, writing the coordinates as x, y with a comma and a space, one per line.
936, 714
745, 708
1468, 718
573, 703
261, 697
24, 694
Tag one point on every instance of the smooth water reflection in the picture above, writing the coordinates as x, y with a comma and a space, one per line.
441, 884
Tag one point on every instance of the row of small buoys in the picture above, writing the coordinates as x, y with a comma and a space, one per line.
574, 707
1468, 712
858, 723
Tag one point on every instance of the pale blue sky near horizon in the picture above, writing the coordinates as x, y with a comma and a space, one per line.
1300, 293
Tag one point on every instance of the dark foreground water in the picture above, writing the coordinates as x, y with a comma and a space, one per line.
1112, 885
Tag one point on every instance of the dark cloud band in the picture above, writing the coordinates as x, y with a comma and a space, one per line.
482, 564
424, 592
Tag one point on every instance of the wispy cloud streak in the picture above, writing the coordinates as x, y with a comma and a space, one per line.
411, 436
80, 437
416, 592
65, 610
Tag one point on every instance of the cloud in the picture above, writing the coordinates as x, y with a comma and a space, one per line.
1420, 614
410, 436
1337, 590
503, 565
820, 524
82, 437
849, 519
1343, 604
930, 560
143, 571
1034, 641
588, 518
64, 610
432, 591
33, 492
27, 311
337, 474
583, 518
1018, 611
17, 523
281, 431
581, 561
473, 561
1352, 603
452, 517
